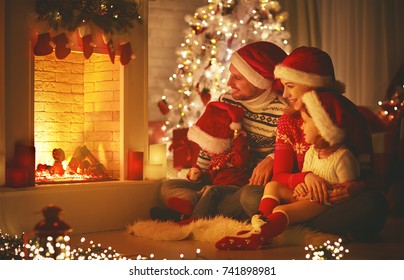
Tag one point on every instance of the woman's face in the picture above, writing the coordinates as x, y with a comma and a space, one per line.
242, 89
294, 92
309, 128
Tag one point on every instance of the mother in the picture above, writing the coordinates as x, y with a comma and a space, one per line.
360, 210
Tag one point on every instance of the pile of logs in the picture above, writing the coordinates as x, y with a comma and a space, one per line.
83, 162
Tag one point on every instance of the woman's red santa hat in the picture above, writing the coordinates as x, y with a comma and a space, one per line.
309, 66
328, 115
214, 130
257, 61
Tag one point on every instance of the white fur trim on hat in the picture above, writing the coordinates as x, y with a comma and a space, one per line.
304, 78
248, 72
235, 126
326, 127
207, 142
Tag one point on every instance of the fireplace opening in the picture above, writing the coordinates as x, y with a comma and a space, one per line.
76, 119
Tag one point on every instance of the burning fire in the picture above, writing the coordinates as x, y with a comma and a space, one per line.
82, 166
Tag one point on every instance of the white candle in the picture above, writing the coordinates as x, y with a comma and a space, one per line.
153, 171
158, 155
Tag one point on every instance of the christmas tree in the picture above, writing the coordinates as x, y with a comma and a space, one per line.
214, 32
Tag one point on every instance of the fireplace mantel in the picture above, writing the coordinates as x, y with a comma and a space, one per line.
17, 88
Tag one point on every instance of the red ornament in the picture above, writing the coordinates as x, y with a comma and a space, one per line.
163, 106
205, 96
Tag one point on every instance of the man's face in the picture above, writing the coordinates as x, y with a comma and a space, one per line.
242, 89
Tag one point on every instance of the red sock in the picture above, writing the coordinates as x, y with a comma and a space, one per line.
180, 205
277, 223
267, 205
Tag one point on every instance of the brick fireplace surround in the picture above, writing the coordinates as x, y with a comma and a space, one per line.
87, 207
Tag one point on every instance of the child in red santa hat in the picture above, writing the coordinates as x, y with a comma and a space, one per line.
324, 122
219, 134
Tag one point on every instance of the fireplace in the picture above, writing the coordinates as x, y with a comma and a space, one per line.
18, 108
76, 118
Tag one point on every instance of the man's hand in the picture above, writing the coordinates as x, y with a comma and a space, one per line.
346, 191
262, 172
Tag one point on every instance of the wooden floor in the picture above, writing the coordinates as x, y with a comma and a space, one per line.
389, 247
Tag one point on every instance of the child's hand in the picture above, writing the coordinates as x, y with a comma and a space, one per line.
300, 192
194, 174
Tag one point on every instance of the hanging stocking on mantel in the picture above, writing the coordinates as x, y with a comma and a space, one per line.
110, 46
126, 49
43, 44
87, 39
62, 45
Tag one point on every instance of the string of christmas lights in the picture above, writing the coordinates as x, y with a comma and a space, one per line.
214, 32
327, 251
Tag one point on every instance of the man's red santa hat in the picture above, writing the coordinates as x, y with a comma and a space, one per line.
257, 61
214, 130
328, 114
309, 66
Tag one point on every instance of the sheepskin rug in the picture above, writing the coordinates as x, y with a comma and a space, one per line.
212, 230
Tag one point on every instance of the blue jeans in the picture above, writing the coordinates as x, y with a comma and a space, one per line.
364, 214
217, 200
180, 188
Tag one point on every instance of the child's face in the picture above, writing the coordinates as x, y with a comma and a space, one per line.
309, 129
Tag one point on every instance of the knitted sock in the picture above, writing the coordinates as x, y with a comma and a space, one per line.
43, 46
180, 205
258, 237
88, 46
267, 205
126, 53
62, 48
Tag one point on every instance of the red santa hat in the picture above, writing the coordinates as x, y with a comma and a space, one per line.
257, 61
328, 114
215, 128
309, 66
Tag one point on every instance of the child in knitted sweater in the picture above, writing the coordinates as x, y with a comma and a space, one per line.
219, 134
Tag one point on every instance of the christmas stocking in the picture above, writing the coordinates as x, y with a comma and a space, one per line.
88, 44
264, 231
180, 205
110, 46
126, 49
43, 43
62, 46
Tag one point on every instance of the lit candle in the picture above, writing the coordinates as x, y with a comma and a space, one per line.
158, 155
153, 171
135, 165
